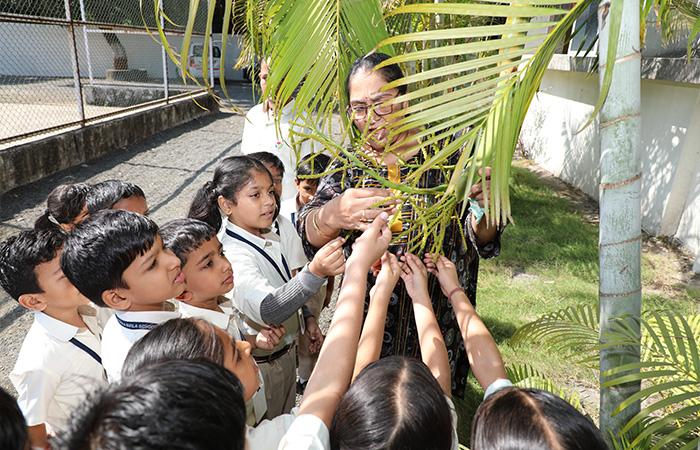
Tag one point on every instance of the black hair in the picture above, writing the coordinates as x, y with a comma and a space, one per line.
515, 418
395, 403
174, 405
230, 176
106, 194
99, 250
389, 73
313, 164
268, 158
189, 338
22, 253
13, 428
183, 236
63, 205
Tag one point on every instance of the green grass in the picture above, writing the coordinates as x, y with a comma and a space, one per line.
548, 261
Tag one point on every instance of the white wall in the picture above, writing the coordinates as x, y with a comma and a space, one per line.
28, 50
670, 160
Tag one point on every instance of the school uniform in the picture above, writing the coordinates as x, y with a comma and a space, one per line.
57, 366
260, 135
259, 268
268, 434
307, 432
125, 328
228, 320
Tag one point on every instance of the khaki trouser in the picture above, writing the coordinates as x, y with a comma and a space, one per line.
307, 360
280, 383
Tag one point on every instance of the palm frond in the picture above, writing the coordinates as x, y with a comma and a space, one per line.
525, 376
572, 329
670, 370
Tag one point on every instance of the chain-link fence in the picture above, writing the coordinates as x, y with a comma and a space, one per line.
67, 63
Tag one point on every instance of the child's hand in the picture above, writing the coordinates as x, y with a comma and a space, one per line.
269, 337
372, 244
313, 332
389, 273
415, 276
444, 269
329, 260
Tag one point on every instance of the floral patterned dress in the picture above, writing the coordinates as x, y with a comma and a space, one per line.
400, 333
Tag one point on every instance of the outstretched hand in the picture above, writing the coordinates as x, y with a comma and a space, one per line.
444, 269
370, 246
269, 337
414, 275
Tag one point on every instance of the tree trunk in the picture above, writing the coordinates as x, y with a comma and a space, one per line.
120, 60
620, 242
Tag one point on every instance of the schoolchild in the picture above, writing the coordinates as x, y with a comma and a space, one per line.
308, 173
193, 338
385, 389
309, 343
65, 207
208, 277
116, 258
117, 194
170, 405
267, 293
276, 132
59, 362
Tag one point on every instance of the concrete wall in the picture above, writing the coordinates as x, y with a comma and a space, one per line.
23, 164
670, 139
28, 50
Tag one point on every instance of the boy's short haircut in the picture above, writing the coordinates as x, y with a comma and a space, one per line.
183, 236
21, 254
13, 428
99, 250
106, 194
268, 158
174, 405
314, 164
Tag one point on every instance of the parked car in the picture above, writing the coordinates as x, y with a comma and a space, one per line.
194, 65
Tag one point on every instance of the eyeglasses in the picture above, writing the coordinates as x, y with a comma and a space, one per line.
360, 111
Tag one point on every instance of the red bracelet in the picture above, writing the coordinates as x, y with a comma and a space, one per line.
457, 289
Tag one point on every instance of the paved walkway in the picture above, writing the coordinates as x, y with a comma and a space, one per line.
168, 166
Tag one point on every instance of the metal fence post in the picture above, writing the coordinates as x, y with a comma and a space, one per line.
76, 68
211, 54
87, 47
164, 55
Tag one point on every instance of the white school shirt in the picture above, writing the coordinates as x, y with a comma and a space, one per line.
260, 135
291, 243
52, 375
307, 432
226, 320
268, 433
122, 330
255, 277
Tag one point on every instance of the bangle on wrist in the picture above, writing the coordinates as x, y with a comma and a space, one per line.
318, 230
453, 292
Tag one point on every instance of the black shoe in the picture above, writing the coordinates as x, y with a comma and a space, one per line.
301, 387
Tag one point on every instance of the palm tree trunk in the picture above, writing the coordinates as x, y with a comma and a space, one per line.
620, 210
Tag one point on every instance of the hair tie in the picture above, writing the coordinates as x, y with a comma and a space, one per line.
52, 219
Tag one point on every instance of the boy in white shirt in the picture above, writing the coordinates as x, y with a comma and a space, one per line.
208, 277
59, 362
116, 258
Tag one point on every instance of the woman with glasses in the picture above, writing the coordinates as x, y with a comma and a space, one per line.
344, 199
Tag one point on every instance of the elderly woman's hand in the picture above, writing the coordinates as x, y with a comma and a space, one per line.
483, 231
477, 190
353, 210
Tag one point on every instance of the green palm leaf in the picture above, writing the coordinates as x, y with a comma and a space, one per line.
670, 372
572, 329
525, 376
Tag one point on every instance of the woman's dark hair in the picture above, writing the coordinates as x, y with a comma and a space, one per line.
395, 403
63, 205
515, 418
230, 176
108, 193
189, 338
173, 405
13, 428
389, 73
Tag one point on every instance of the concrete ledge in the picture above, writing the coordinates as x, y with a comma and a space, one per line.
676, 70
29, 162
